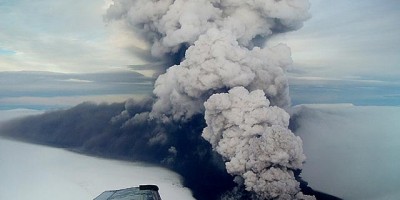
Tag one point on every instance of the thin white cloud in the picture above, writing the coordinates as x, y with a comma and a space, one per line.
28, 89
65, 101
77, 80
345, 79
314, 78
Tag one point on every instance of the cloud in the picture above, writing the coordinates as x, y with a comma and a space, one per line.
61, 101
215, 63
28, 89
254, 140
61, 36
219, 53
346, 38
6, 115
355, 90
45, 173
78, 80
48, 84
124, 131
218, 46
356, 146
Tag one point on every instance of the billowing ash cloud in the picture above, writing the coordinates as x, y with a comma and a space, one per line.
224, 42
254, 139
215, 63
222, 33
172, 24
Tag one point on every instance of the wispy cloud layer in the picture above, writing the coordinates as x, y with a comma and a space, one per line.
43, 90
355, 90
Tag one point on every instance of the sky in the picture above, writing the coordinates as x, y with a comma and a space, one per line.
59, 36
50, 90
348, 39
347, 52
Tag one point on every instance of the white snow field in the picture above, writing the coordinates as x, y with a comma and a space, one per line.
352, 152
29, 171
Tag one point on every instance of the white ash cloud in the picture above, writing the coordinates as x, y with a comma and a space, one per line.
217, 62
169, 24
254, 139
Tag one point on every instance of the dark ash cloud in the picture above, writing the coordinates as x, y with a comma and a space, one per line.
103, 130
124, 131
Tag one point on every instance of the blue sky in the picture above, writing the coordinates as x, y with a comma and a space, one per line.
348, 52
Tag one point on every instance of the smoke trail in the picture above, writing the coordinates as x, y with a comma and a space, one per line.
223, 44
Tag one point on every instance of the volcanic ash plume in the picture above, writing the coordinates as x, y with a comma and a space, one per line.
220, 34
171, 24
223, 43
215, 63
254, 139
